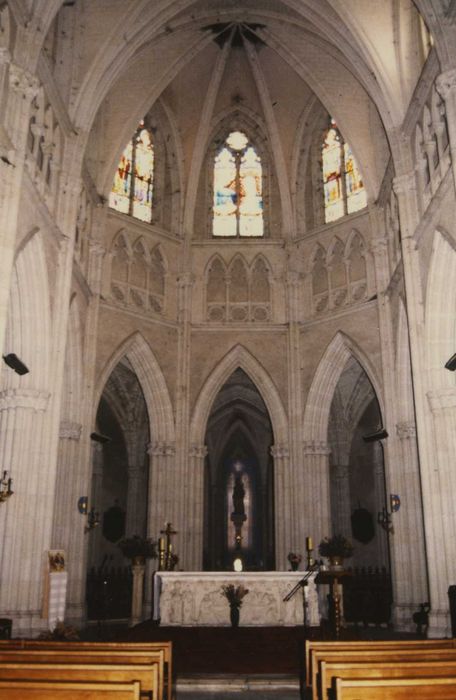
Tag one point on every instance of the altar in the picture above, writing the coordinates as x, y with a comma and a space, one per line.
194, 598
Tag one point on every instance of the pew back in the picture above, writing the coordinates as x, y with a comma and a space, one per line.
43, 690
145, 674
405, 669
371, 655
311, 645
396, 689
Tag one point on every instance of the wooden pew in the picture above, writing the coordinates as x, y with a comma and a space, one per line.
311, 645
372, 670
108, 652
396, 689
146, 674
371, 655
44, 690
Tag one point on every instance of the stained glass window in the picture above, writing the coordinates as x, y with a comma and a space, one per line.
343, 187
132, 188
238, 196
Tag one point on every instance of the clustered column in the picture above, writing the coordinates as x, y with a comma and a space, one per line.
282, 503
314, 490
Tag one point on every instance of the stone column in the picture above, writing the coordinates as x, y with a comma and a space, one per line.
162, 506
408, 539
282, 505
95, 500
315, 511
442, 526
195, 510
136, 520
22, 88
381, 502
68, 529
446, 86
341, 514
25, 518
137, 597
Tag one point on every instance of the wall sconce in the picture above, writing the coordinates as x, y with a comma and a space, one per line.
451, 364
93, 520
98, 437
384, 517
5, 487
15, 363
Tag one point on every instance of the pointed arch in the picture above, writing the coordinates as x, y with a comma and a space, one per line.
152, 381
238, 357
339, 351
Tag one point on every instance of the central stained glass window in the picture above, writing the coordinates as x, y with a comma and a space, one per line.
238, 189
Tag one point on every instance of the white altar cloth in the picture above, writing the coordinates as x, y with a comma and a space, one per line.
188, 598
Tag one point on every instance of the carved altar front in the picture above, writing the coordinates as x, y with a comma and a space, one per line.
194, 598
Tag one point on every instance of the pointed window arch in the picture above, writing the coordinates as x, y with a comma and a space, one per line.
132, 188
343, 186
238, 189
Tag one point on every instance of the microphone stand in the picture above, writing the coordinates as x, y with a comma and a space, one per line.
301, 584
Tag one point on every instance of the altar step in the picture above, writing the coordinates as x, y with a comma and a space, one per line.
234, 686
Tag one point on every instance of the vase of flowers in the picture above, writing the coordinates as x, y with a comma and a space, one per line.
138, 549
294, 560
234, 595
336, 549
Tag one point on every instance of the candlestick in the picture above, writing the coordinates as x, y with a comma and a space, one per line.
309, 546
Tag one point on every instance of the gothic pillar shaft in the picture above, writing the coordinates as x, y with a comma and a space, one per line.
93, 537
282, 505
25, 521
341, 513
382, 555
195, 509
407, 542
315, 494
68, 527
136, 515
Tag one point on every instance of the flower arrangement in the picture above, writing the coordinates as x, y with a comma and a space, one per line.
294, 558
234, 594
60, 633
336, 546
137, 546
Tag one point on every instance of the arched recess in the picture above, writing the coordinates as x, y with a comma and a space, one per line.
239, 357
335, 357
152, 381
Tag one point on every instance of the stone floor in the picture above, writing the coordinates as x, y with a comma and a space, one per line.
230, 686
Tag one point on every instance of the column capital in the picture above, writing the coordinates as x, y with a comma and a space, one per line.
198, 451
406, 430
379, 245
316, 447
442, 399
185, 279
70, 430
446, 83
402, 184
280, 451
33, 399
23, 82
156, 449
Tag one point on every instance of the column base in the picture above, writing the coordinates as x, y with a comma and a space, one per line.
402, 617
439, 624
27, 623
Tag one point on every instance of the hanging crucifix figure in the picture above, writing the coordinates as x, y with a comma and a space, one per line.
238, 515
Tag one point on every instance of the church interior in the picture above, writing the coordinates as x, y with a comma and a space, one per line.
227, 302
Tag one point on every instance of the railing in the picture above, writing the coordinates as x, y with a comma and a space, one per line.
108, 593
368, 596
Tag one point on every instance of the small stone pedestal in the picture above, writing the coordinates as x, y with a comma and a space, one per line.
137, 597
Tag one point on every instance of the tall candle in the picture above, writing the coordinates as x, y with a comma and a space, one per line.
309, 543
161, 544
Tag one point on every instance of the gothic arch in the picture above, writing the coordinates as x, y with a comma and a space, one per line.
152, 381
440, 310
332, 363
238, 357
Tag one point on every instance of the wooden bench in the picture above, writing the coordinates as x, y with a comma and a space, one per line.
105, 652
404, 669
44, 690
371, 655
311, 645
146, 675
396, 689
